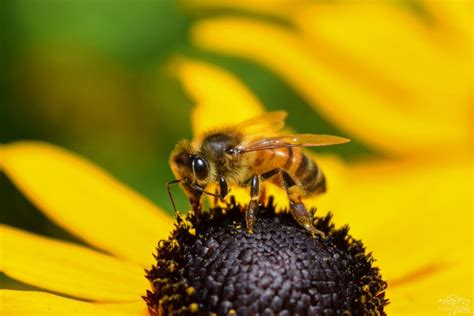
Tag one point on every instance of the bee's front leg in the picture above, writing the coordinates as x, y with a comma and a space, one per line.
195, 201
253, 204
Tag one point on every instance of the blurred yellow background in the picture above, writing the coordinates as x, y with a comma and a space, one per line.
120, 82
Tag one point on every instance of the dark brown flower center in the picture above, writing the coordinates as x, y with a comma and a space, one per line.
215, 266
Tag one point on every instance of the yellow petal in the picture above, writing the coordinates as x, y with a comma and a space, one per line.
26, 303
68, 269
279, 8
86, 201
220, 98
416, 219
421, 65
418, 78
430, 291
357, 106
453, 18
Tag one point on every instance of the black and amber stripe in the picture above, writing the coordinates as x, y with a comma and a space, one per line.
308, 175
303, 171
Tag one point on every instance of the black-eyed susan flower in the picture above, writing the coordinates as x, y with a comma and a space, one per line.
212, 265
207, 265
413, 213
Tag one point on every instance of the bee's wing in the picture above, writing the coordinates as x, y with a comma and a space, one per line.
297, 140
269, 122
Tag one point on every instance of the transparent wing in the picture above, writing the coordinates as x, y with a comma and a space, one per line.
297, 140
266, 123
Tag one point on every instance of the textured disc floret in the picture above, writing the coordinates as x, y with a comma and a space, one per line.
215, 266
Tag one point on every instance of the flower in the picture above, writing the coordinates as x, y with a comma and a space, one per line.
124, 228
331, 274
412, 210
96, 208
212, 265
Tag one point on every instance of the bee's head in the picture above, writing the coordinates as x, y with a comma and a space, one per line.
189, 165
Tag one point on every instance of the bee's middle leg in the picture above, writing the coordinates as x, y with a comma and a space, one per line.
253, 204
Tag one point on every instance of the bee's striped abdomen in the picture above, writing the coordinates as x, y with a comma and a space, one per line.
306, 173
299, 166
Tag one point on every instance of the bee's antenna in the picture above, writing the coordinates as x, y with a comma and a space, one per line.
168, 187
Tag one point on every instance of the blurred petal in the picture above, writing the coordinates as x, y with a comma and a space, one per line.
427, 286
68, 269
86, 201
416, 218
454, 18
418, 78
279, 8
419, 64
26, 303
352, 104
220, 98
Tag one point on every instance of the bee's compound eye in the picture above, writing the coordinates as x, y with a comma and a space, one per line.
200, 169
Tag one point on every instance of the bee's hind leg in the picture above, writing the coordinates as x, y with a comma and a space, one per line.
253, 204
294, 192
297, 208
302, 216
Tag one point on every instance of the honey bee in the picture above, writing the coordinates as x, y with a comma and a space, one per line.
245, 155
